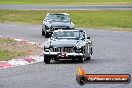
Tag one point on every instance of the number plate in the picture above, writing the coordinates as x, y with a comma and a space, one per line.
62, 54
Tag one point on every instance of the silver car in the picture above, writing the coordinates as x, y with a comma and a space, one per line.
55, 21
68, 44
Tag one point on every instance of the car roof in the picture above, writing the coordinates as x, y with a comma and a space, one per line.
58, 13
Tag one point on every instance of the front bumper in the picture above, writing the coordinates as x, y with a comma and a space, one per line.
55, 53
67, 55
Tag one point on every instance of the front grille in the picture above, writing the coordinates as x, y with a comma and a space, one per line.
63, 49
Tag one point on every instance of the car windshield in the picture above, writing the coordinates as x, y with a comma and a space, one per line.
58, 17
66, 35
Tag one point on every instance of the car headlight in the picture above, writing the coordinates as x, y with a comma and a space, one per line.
78, 50
47, 45
78, 47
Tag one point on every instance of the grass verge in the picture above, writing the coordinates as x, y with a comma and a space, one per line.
85, 19
7, 55
11, 49
66, 2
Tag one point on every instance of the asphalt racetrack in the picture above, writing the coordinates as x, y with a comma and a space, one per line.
112, 55
67, 7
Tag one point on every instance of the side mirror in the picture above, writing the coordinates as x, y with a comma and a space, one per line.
89, 42
88, 37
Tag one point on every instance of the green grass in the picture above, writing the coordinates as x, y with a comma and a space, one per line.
65, 2
7, 55
6, 40
89, 19
6, 52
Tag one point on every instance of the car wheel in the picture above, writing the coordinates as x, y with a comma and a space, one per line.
88, 58
81, 59
43, 33
47, 59
91, 51
46, 35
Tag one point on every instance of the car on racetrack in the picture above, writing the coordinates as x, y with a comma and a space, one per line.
68, 44
55, 21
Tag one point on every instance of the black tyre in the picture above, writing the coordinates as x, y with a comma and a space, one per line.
46, 35
56, 59
43, 33
88, 58
91, 51
47, 59
81, 59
